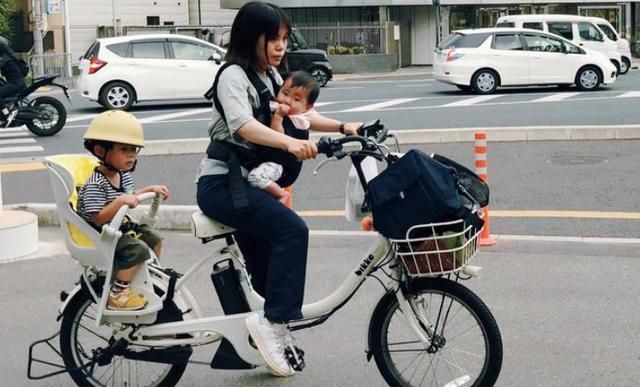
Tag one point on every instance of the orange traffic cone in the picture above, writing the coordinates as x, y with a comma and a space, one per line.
289, 201
481, 171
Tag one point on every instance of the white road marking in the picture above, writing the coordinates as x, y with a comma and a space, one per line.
427, 85
344, 88
630, 94
22, 133
380, 105
556, 97
318, 104
17, 141
168, 116
18, 129
472, 101
81, 118
21, 149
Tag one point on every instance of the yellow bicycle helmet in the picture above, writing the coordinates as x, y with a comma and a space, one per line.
115, 126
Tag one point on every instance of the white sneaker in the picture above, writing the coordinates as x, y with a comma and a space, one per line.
270, 338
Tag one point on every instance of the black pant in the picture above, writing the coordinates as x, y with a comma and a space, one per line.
10, 89
273, 239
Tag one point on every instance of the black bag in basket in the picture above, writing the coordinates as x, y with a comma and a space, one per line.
414, 190
471, 182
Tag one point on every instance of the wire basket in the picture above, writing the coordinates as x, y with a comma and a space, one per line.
437, 248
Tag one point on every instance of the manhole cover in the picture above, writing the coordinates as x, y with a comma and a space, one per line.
577, 160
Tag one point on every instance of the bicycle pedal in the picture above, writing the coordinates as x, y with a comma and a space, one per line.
295, 358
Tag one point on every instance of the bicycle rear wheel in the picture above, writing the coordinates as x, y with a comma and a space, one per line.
465, 349
79, 338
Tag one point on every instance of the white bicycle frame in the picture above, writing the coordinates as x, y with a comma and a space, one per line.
205, 330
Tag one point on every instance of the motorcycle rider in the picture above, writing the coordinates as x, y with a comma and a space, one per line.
10, 68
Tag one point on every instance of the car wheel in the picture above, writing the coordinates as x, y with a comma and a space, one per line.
320, 75
464, 87
625, 66
485, 81
117, 95
588, 78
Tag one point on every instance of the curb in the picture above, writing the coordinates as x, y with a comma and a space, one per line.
430, 136
172, 217
398, 73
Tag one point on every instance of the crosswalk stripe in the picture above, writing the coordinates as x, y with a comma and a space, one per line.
472, 101
18, 129
22, 133
81, 118
174, 115
17, 141
555, 97
630, 94
381, 105
318, 104
21, 149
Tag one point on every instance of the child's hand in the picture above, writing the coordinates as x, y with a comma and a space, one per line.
160, 190
130, 200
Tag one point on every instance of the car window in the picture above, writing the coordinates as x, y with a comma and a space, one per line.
92, 50
150, 50
191, 51
507, 42
611, 34
459, 40
589, 32
561, 28
572, 48
119, 49
533, 25
506, 24
542, 43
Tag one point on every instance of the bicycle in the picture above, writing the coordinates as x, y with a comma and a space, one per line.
427, 325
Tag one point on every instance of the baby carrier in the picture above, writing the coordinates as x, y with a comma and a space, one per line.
236, 156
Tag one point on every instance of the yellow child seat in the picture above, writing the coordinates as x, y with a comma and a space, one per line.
86, 245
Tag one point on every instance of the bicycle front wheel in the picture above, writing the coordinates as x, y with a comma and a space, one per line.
80, 340
464, 349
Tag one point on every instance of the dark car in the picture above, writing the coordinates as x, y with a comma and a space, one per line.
314, 61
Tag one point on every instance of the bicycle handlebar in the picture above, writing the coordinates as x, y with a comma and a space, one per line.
118, 218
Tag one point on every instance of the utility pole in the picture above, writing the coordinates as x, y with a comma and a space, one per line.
37, 37
67, 39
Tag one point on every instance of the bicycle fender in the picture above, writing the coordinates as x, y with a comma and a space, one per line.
72, 294
377, 310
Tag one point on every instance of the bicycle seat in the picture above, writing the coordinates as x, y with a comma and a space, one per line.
206, 228
67, 174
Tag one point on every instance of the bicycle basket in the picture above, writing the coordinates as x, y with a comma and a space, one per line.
437, 248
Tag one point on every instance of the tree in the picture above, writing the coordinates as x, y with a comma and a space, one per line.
6, 10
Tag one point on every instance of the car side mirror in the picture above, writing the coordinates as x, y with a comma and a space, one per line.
216, 58
294, 46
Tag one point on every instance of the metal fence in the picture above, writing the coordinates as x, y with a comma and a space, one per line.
338, 39
51, 63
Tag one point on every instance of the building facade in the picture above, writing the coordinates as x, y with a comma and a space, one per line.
417, 33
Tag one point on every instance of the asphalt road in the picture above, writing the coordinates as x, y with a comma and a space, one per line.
566, 311
404, 102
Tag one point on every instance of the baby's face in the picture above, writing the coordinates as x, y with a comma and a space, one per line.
295, 97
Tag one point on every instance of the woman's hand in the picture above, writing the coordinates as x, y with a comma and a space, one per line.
302, 149
351, 128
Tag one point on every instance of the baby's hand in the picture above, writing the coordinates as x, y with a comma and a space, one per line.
130, 200
283, 110
161, 190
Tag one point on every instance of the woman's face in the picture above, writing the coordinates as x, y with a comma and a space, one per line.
275, 49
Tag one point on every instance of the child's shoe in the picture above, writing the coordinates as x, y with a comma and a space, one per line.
126, 300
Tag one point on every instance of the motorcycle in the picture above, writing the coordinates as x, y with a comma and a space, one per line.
43, 115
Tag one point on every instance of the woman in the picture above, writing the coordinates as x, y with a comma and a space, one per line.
273, 239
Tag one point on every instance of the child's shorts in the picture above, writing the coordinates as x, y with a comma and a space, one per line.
133, 247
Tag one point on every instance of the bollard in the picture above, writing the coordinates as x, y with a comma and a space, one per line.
289, 202
481, 171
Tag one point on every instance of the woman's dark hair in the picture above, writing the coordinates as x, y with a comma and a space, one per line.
253, 20
304, 80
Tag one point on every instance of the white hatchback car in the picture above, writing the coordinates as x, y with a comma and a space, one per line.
117, 72
485, 58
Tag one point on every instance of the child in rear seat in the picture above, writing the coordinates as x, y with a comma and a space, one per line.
115, 137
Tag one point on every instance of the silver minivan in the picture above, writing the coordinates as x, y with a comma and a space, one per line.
578, 29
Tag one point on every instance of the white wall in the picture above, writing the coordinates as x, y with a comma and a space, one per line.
423, 35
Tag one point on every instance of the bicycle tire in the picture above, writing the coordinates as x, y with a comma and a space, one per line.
443, 292
73, 352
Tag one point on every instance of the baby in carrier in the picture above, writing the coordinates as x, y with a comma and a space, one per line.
294, 104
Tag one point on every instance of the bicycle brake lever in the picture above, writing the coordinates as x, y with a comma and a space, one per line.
322, 164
